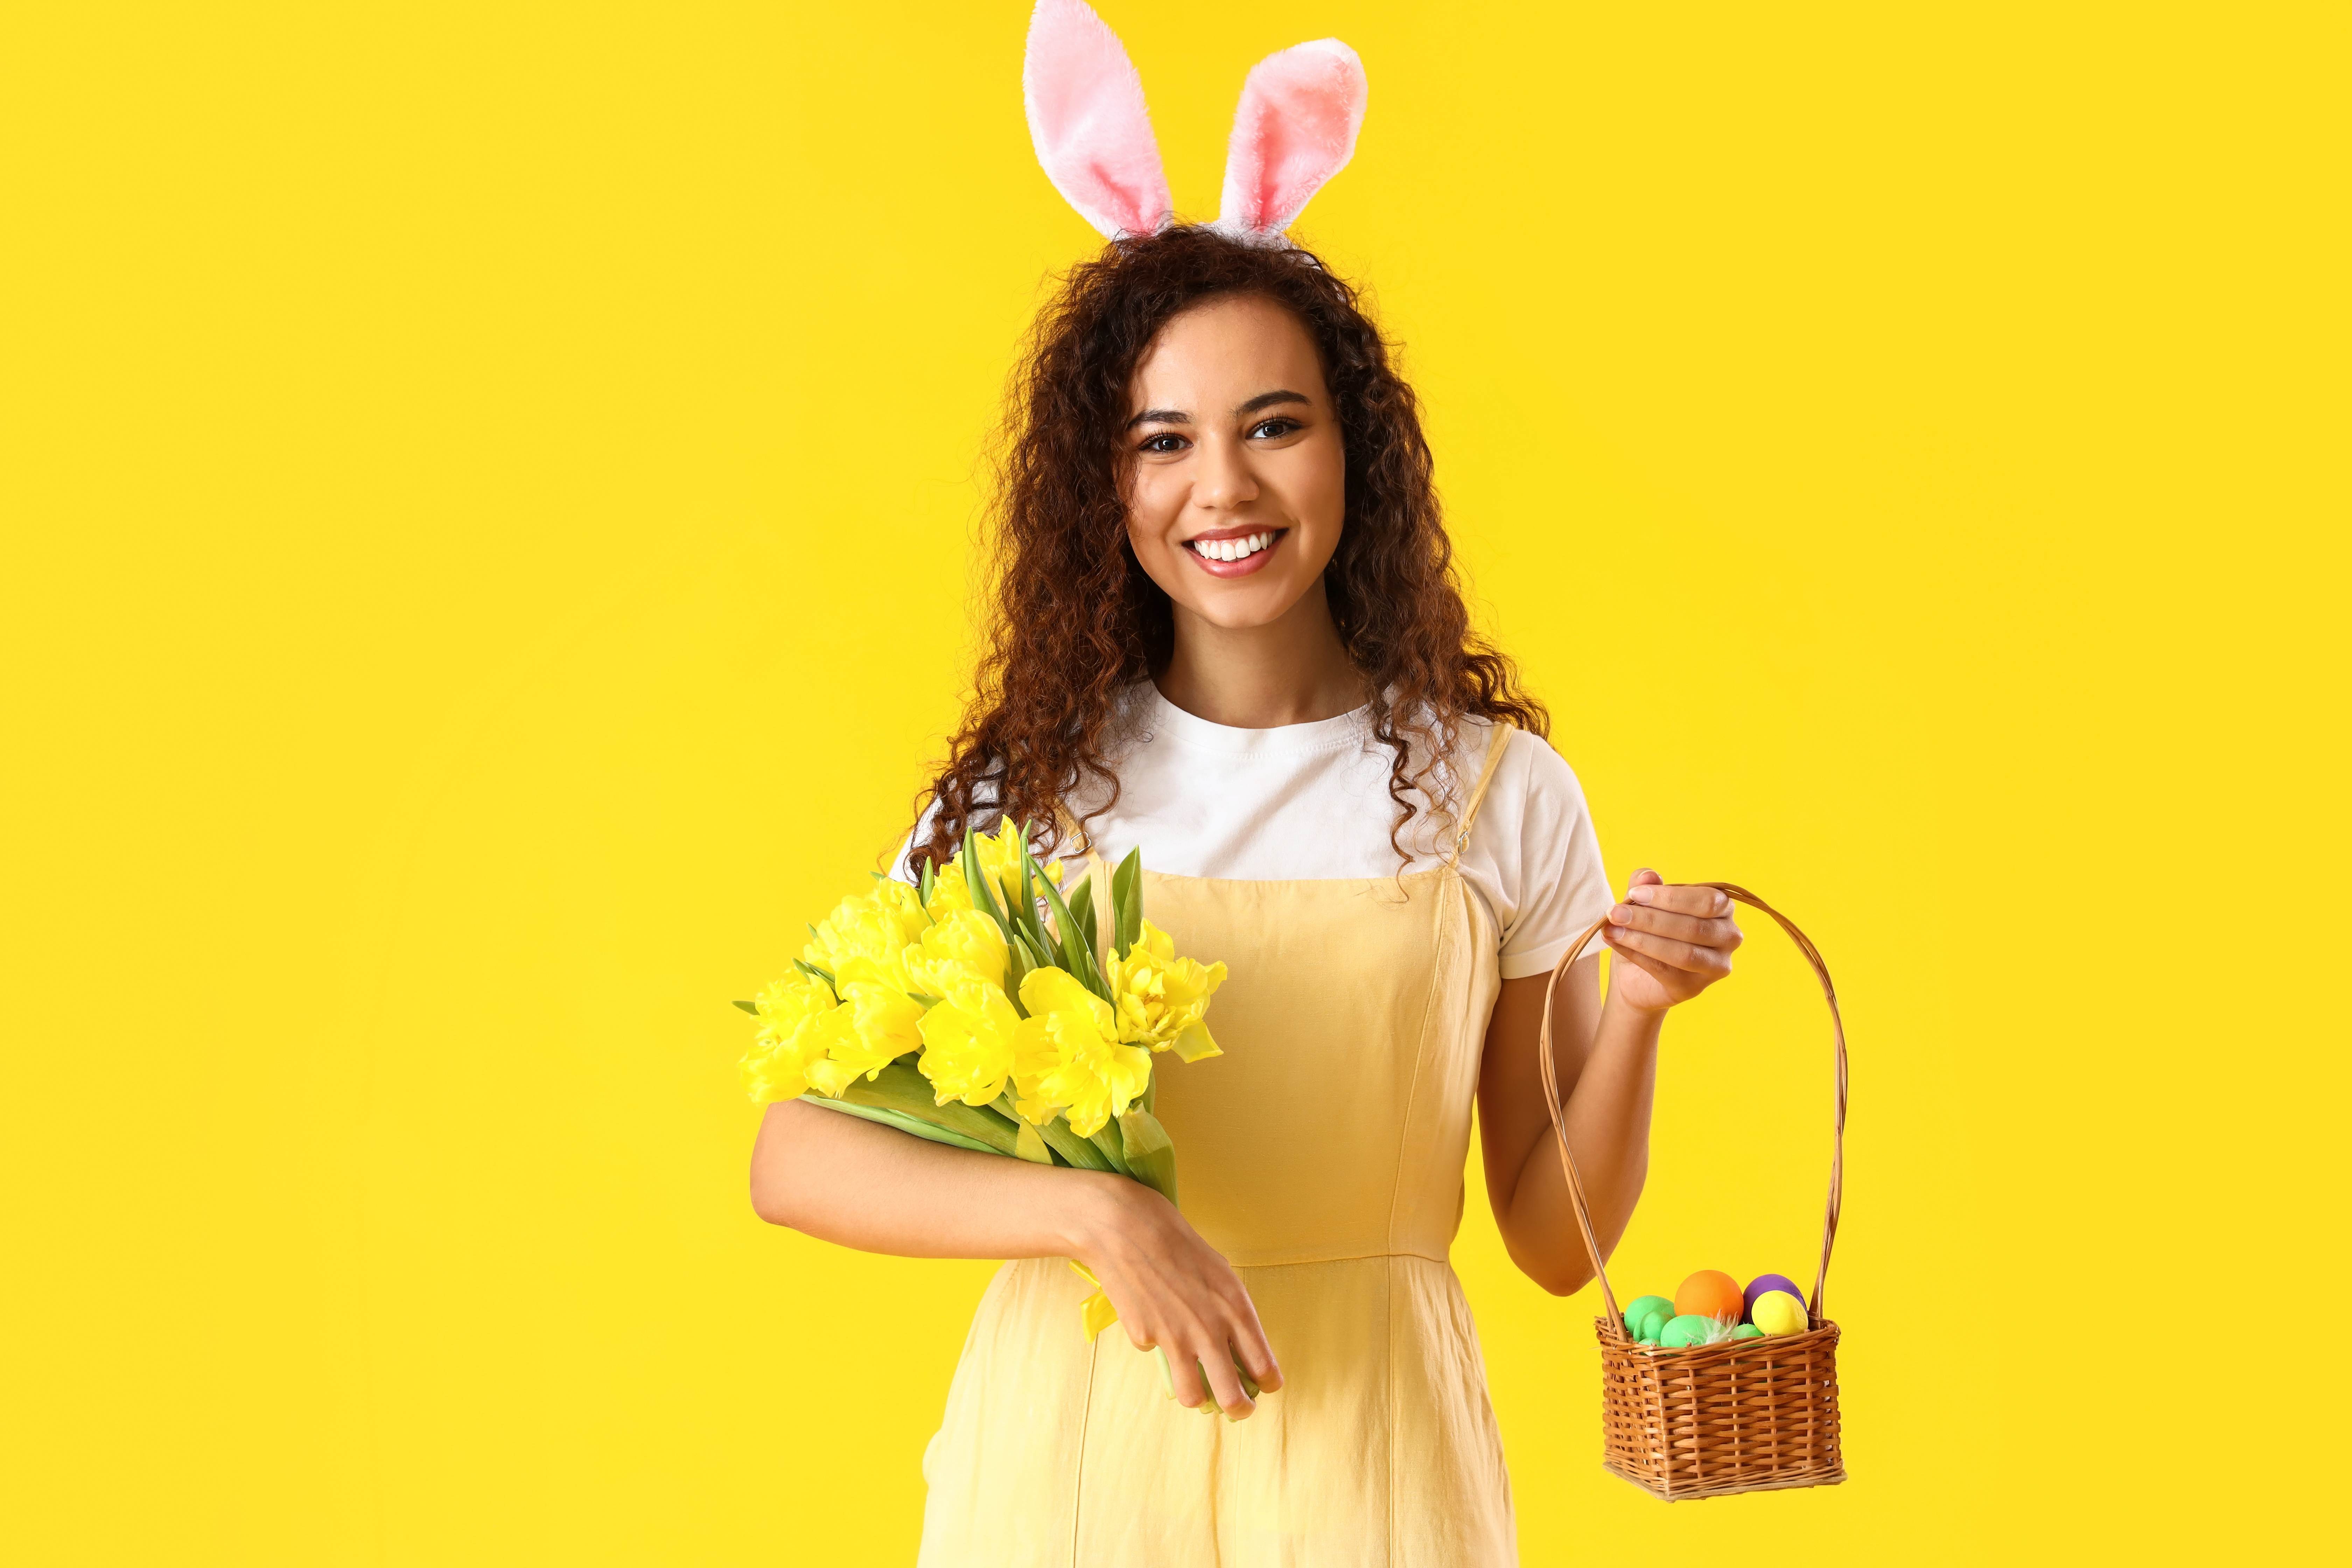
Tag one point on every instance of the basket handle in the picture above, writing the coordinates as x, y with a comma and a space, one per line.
1559, 1124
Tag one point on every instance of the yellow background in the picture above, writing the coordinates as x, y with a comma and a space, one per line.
486, 497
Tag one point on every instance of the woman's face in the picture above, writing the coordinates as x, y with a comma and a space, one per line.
1236, 482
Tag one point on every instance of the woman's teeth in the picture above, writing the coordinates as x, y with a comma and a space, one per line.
1232, 549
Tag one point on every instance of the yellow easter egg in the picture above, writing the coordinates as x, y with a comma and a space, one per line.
1778, 1312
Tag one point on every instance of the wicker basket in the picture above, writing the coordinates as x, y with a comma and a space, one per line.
1745, 1416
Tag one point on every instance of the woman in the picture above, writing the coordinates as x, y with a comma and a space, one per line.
1226, 631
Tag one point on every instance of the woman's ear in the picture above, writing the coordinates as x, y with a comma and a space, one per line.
1296, 127
1089, 120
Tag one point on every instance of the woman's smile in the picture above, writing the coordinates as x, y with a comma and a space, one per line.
1234, 553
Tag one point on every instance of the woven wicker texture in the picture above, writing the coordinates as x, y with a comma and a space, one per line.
1744, 1416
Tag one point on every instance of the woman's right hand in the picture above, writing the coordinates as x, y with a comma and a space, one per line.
1175, 1293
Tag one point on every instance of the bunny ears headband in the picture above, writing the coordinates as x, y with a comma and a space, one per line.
1296, 127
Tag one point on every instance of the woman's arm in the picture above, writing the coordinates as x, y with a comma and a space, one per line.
847, 1180
1672, 942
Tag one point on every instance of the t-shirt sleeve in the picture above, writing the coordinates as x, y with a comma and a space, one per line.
1557, 883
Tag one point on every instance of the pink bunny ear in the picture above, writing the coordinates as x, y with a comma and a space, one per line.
1296, 127
1086, 117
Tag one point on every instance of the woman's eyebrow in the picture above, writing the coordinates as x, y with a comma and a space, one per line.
1178, 416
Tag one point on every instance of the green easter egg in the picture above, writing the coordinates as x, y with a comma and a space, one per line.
1690, 1328
1747, 1331
1640, 1308
1654, 1322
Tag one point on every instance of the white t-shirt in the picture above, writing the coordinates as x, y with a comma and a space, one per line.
1307, 801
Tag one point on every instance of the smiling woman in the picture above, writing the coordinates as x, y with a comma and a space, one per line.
1226, 632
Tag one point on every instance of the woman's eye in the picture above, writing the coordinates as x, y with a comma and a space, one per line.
1164, 443
1272, 427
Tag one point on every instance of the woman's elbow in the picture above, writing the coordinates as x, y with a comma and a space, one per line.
769, 1198
1559, 1273
773, 1189
1561, 1281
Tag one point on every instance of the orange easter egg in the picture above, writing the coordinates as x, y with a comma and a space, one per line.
1711, 1293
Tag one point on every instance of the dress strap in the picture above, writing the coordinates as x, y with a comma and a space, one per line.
1502, 731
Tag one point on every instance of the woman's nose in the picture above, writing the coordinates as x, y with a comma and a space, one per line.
1224, 480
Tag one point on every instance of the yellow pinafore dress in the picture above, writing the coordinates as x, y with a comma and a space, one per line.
1322, 1154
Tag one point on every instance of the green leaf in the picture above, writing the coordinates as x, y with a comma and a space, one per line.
1127, 902
1082, 909
1107, 1139
926, 883
983, 897
1016, 969
750, 1007
1031, 1146
901, 1088
812, 972
902, 1121
1076, 957
1027, 915
1073, 1149
1150, 1153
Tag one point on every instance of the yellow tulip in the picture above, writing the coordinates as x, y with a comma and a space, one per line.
791, 1039
1067, 1056
883, 1022
875, 926
968, 1038
961, 941
1161, 997
999, 862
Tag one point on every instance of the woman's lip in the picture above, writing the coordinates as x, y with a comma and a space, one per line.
1242, 568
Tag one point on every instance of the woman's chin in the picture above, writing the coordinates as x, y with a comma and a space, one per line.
1244, 603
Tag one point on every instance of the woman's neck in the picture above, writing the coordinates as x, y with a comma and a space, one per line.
1293, 670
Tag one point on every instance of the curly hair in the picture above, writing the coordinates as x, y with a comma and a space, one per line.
1073, 621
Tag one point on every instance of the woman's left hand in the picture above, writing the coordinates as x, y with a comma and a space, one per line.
1671, 941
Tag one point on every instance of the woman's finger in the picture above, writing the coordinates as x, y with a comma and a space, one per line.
1181, 1375
1681, 897
1680, 956
1252, 1350
1225, 1381
1695, 929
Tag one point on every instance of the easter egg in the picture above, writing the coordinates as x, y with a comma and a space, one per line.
1710, 1293
1778, 1312
1747, 1331
1761, 1283
1690, 1328
1640, 1308
1653, 1321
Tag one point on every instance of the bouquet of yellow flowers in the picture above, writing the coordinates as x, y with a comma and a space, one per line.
982, 1008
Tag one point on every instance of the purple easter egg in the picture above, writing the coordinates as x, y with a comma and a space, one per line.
1757, 1286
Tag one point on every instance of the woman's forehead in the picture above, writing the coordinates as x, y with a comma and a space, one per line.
1222, 352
